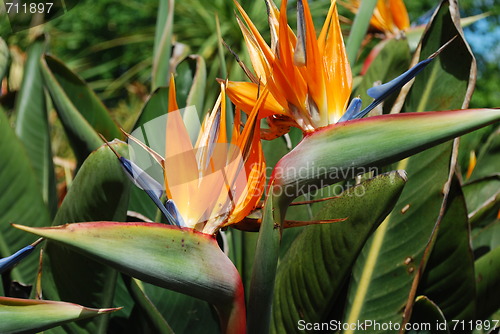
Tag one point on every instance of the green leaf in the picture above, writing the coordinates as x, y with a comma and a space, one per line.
265, 262
20, 201
386, 273
163, 44
451, 289
199, 316
190, 83
486, 238
99, 191
488, 159
179, 259
392, 59
32, 124
428, 318
488, 283
312, 272
483, 199
354, 146
452, 71
33, 316
359, 29
81, 112
4, 58
156, 106
148, 308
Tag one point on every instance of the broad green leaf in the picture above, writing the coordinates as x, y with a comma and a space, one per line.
471, 142
4, 58
33, 316
483, 199
32, 124
488, 160
199, 316
486, 238
99, 191
414, 34
388, 265
392, 59
163, 44
174, 258
451, 289
359, 29
453, 71
190, 83
20, 201
156, 106
354, 146
81, 112
265, 262
427, 318
488, 283
224, 74
312, 272
148, 308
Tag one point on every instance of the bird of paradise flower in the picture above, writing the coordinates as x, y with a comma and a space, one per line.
213, 184
309, 78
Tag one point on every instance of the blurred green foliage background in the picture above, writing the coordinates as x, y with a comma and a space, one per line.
109, 42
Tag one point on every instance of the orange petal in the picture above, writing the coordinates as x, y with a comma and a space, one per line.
337, 69
255, 32
399, 14
244, 96
315, 74
172, 98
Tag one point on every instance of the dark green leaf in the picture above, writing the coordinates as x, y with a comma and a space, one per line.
163, 44
20, 201
199, 316
392, 59
428, 318
488, 159
451, 289
32, 124
311, 274
98, 192
386, 269
81, 112
488, 283
483, 199
136, 289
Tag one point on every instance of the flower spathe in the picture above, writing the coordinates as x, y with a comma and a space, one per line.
308, 76
214, 182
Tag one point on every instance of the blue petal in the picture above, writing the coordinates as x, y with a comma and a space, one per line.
171, 207
145, 182
9, 261
380, 93
353, 109
383, 91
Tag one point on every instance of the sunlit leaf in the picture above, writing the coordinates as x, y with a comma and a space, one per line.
33, 316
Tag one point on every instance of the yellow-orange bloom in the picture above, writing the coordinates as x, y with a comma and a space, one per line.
308, 77
389, 16
215, 182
